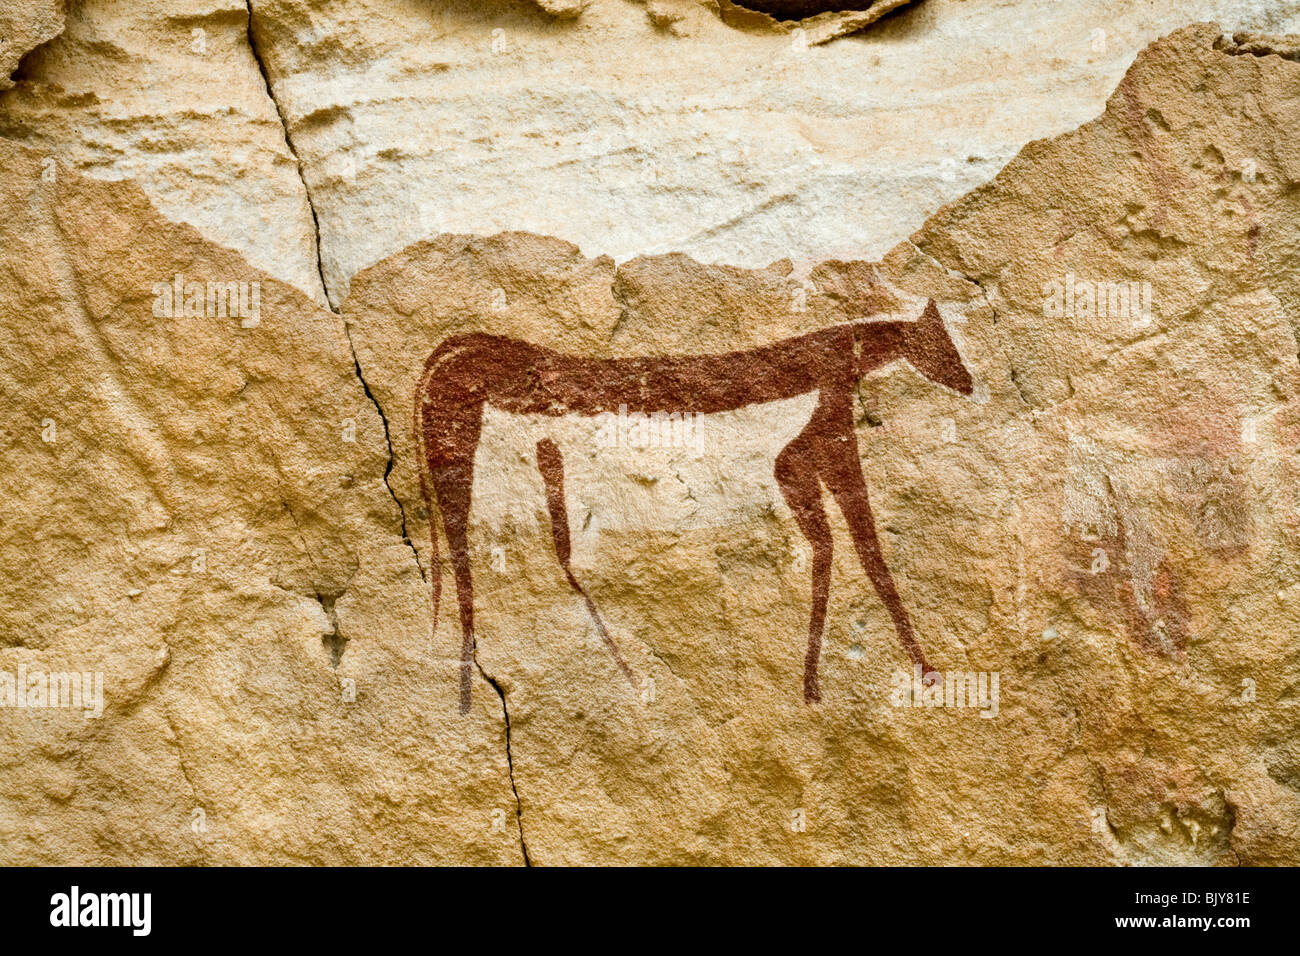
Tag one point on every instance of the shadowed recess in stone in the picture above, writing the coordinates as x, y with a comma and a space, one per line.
802, 9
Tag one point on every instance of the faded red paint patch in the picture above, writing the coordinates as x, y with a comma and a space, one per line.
1202, 420
1101, 571
1163, 630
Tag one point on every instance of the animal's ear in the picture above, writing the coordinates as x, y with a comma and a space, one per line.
927, 332
930, 319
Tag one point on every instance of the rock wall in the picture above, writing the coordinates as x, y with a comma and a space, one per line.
233, 242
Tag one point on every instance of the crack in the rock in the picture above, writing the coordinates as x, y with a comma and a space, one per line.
388, 467
1230, 811
333, 641
288, 142
180, 755
1012, 373
365, 387
510, 763
1099, 774
803, 9
1020, 386
195, 796
320, 269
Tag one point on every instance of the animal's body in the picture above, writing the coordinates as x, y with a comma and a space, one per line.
466, 373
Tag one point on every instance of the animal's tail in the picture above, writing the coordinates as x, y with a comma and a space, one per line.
430, 506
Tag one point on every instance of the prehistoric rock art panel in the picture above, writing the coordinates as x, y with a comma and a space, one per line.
226, 519
467, 372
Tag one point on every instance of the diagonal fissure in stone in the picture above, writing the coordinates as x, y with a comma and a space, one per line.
288, 142
320, 270
365, 386
510, 763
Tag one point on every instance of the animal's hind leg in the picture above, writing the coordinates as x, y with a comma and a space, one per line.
842, 472
797, 477
551, 466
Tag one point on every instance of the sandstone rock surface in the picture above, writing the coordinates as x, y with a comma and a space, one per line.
631, 134
630, 129
223, 514
1110, 523
170, 95
197, 511
24, 25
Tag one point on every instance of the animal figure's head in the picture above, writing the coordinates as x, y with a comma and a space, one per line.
929, 349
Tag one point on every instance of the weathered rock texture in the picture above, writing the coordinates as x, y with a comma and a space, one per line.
24, 25
226, 518
170, 94
679, 132
810, 22
1146, 711
199, 528
663, 127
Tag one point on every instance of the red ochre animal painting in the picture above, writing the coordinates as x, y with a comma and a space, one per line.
468, 372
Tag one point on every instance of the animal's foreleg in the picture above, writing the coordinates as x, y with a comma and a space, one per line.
843, 475
797, 478
551, 466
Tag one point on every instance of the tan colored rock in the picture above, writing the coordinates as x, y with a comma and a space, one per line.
812, 22
170, 95
637, 130
25, 25
1179, 435
212, 512
563, 9
664, 127
1109, 523
196, 510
